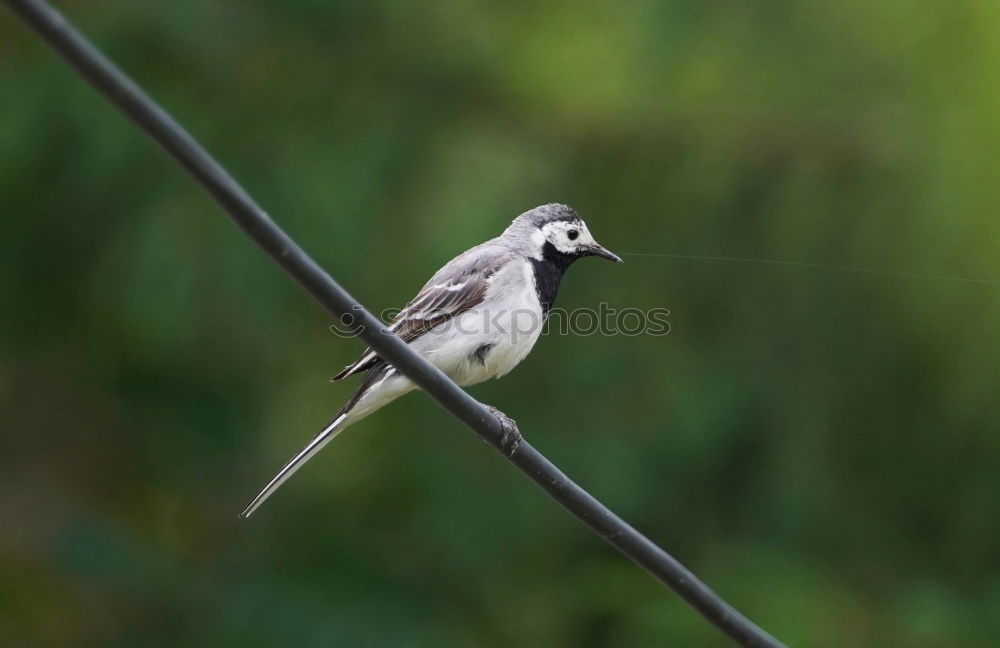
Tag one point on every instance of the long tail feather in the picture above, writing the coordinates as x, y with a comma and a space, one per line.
295, 463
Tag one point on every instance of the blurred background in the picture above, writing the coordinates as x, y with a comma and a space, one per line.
820, 445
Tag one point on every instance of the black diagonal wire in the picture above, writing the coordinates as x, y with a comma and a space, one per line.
131, 100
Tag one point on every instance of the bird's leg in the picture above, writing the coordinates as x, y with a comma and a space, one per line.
510, 438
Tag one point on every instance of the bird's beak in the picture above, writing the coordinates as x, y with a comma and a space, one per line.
599, 250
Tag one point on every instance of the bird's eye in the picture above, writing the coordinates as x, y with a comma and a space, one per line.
572, 234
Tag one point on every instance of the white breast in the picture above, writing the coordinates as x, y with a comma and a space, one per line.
508, 321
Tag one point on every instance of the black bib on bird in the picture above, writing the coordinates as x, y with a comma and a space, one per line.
549, 271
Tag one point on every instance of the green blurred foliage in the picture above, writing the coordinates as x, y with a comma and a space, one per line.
820, 445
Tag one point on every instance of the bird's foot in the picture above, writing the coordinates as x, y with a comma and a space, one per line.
510, 438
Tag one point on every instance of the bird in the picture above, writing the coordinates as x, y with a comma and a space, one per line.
475, 319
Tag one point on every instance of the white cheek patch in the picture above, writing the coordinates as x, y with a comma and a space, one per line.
556, 234
565, 248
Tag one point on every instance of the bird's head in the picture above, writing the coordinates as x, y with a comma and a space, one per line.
556, 231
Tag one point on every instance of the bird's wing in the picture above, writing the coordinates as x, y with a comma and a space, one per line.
454, 289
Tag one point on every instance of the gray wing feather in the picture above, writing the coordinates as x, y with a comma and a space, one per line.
458, 286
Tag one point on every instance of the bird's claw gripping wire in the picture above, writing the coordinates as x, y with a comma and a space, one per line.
510, 438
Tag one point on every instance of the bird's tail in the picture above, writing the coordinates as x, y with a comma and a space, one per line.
325, 436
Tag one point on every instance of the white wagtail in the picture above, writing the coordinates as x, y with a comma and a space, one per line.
476, 318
